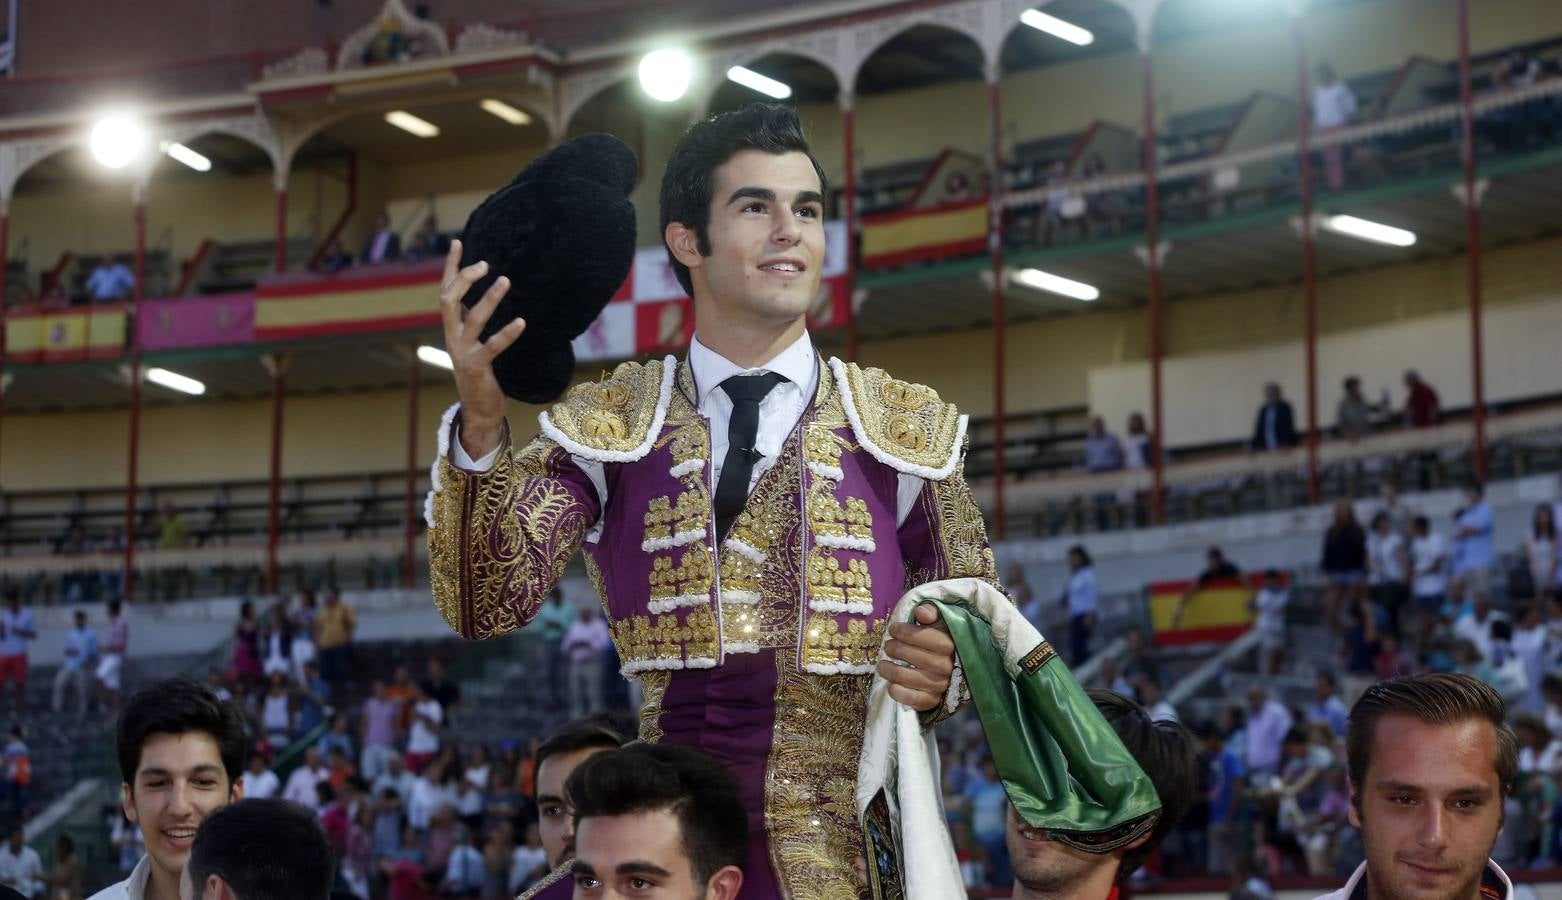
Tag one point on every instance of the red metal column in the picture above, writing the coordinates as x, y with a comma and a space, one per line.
1472, 225
274, 491
1152, 215
995, 247
1309, 260
848, 128
281, 240
135, 407
410, 513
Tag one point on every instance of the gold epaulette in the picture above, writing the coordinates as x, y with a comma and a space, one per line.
904, 425
615, 419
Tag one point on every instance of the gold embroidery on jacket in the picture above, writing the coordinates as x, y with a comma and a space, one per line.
614, 414
907, 421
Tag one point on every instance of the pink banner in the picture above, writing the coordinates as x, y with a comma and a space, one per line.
197, 322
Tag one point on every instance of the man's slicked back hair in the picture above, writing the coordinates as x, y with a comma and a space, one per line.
690, 178
591, 733
1436, 699
179, 706
688, 783
265, 850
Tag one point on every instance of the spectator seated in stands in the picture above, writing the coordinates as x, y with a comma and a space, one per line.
1275, 427
1169, 758
1216, 568
427, 243
20, 866
1103, 451
110, 282
383, 246
336, 257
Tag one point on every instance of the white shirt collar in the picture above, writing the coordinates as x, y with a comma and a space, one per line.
796, 363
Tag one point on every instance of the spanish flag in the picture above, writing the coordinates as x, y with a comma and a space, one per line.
73, 334
924, 235
1217, 612
388, 298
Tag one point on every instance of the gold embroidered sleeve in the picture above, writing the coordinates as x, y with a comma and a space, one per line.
499, 540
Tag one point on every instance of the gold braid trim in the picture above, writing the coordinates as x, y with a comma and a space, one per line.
904, 425
501, 539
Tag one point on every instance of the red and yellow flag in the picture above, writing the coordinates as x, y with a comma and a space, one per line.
73, 334
1217, 612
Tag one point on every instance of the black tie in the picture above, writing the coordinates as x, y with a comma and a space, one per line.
732, 490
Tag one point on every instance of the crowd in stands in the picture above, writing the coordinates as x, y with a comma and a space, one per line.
385, 246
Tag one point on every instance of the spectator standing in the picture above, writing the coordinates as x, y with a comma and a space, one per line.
17, 627
1353, 414
1540, 552
111, 667
423, 738
16, 764
1333, 108
555, 617
395, 778
528, 862
381, 726
314, 695
1080, 599
1226, 776
1154, 701
277, 643
1388, 567
1475, 625
1103, 451
441, 688
65, 880
384, 245
1138, 444
302, 783
1327, 706
1422, 407
1474, 546
989, 807
585, 645
1529, 645
246, 645
1428, 561
1344, 562
110, 281
1216, 568
334, 627
1269, 604
1360, 648
1267, 725
1392, 661
277, 713
1275, 426
466, 872
260, 783
81, 650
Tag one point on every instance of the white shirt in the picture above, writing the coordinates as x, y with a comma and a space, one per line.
585, 641
1271, 608
1265, 732
21, 870
427, 798
301, 786
18, 628
1361, 872
421, 738
778, 414
1477, 631
523, 862
1427, 555
1383, 558
1333, 105
261, 787
1162, 712
465, 870
132, 888
1082, 591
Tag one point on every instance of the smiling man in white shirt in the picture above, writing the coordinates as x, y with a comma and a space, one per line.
750, 515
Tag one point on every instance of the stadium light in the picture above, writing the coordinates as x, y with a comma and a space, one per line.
410, 123
117, 140
1057, 27
664, 74
506, 112
1056, 284
1366, 230
435, 357
762, 83
175, 382
187, 156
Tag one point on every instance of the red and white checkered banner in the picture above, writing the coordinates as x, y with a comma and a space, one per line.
651, 313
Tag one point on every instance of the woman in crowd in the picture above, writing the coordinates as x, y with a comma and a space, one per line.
1344, 563
1540, 551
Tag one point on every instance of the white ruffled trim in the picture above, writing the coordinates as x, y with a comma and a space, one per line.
680, 539
834, 473
839, 669
890, 459
669, 371
687, 467
741, 598
845, 542
836, 606
700, 662
731, 647
634, 668
672, 603
752, 554
435, 486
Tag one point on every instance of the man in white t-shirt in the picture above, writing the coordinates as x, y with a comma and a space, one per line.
1428, 566
423, 736
1475, 625
17, 627
20, 866
301, 784
260, 783
1333, 107
1269, 605
585, 646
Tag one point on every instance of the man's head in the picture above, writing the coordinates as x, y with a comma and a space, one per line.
1215, 557
1097, 427
332, 595
1272, 580
312, 757
80, 618
1323, 686
1170, 759
557, 759
381, 222
1430, 760
1412, 378
1257, 696
1420, 526
1353, 386
1271, 392
658, 820
181, 751
743, 216
1473, 491
113, 609
17, 838
259, 850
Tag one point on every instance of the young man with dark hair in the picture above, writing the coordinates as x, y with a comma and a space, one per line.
259, 850
657, 820
680, 480
1052, 870
1431, 759
557, 759
181, 752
